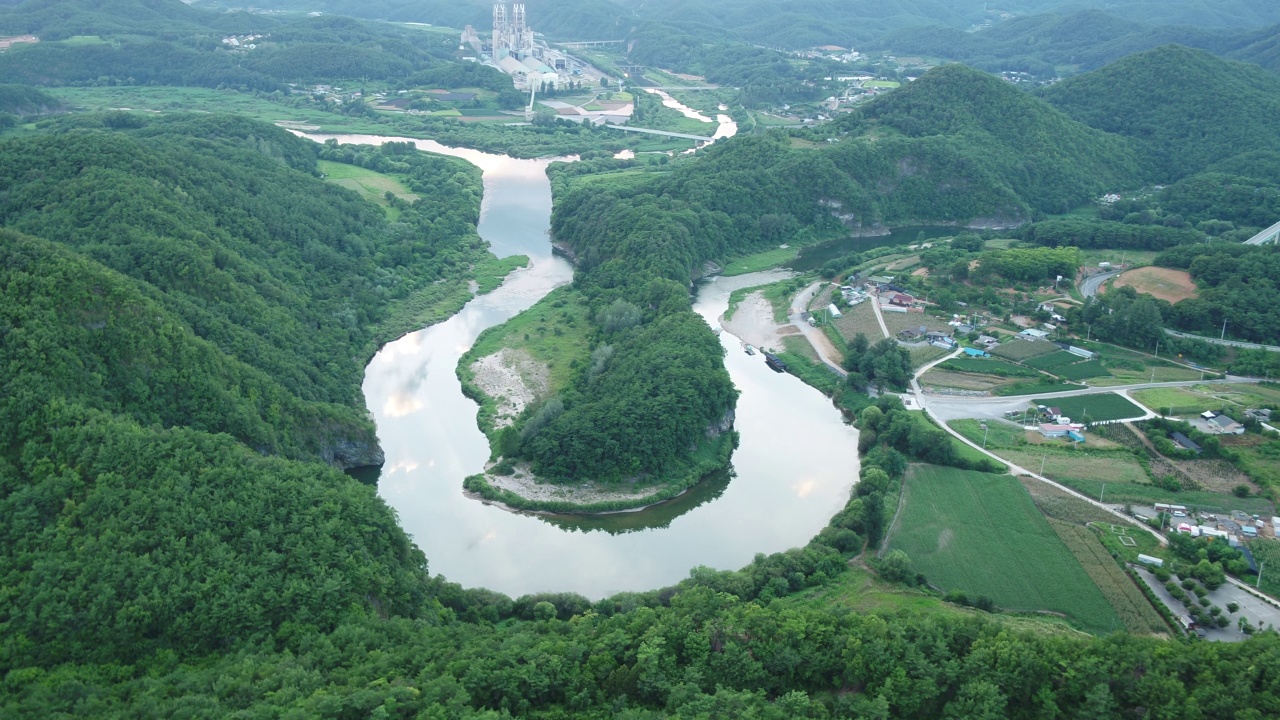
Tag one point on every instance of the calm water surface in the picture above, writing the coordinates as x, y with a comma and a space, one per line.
794, 470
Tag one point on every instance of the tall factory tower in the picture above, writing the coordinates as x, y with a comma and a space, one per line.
511, 35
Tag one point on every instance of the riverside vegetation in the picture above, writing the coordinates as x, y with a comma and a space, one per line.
185, 308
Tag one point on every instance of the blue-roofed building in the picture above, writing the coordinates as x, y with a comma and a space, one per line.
975, 352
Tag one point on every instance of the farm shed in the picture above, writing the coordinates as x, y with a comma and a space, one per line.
1185, 442
1050, 430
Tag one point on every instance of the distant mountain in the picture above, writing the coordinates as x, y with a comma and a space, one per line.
792, 24
1186, 109
61, 19
1046, 45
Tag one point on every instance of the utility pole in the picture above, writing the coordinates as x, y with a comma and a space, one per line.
1223, 336
985, 430
1261, 567
1100, 494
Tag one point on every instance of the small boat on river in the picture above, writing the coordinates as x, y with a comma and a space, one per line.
750, 350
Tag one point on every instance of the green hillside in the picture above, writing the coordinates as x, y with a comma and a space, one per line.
1045, 45
1049, 161
1185, 109
220, 225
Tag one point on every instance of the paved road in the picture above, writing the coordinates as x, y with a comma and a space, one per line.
964, 408
1259, 612
817, 338
957, 407
875, 306
1265, 235
1216, 341
686, 136
1090, 286
915, 379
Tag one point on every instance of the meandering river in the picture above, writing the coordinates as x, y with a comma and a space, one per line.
794, 469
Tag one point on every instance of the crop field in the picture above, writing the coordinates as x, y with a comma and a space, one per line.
1051, 361
1098, 406
1081, 371
988, 366
1179, 401
1163, 283
981, 534
1129, 603
1136, 494
1149, 373
1022, 350
860, 318
1035, 387
1071, 466
897, 322
937, 378
925, 354
1060, 505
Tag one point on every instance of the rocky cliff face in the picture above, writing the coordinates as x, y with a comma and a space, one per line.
721, 426
348, 453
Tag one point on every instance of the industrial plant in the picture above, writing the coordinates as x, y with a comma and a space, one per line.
514, 50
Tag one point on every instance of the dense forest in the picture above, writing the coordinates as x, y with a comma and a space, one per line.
1241, 285
130, 42
186, 307
1051, 45
796, 24
1184, 109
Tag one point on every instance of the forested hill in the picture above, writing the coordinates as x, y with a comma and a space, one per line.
1185, 109
1043, 44
165, 42
61, 19
793, 24
1047, 159
185, 313
270, 284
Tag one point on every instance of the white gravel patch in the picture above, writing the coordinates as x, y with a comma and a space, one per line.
514, 379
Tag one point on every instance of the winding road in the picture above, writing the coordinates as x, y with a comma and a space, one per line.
1090, 286
818, 339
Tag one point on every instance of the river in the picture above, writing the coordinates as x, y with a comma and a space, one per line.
794, 469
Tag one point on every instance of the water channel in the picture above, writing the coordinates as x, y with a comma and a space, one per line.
794, 469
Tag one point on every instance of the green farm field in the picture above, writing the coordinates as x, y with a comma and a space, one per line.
1074, 466
369, 184
981, 534
988, 366
1052, 360
1022, 350
860, 318
1179, 401
1129, 603
1098, 406
1081, 371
